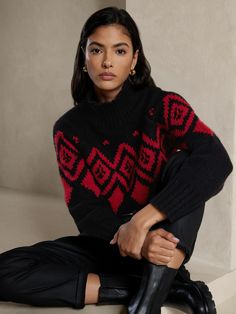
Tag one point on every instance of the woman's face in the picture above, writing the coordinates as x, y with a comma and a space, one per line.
109, 57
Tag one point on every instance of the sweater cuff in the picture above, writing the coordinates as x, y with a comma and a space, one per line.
177, 199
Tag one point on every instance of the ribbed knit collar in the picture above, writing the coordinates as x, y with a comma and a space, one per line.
115, 112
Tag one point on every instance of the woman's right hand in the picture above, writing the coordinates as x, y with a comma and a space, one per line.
159, 246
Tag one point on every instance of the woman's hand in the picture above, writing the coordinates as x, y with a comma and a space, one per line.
130, 238
159, 246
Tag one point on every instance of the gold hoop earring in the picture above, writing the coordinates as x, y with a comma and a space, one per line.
85, 68
132, 72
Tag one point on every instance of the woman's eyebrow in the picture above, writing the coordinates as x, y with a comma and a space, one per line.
101, 45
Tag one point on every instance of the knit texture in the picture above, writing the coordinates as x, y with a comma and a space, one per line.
111, 155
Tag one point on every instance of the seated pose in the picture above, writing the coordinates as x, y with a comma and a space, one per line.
137, 166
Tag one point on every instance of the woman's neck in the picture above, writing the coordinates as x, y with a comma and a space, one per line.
106, 95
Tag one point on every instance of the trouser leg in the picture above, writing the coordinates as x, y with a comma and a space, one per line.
186, 228
54, 273
48, 273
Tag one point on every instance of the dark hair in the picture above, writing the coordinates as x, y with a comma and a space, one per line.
81, 82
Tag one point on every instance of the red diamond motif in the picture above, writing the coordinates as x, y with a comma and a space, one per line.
101, 172
116, 199
140, 192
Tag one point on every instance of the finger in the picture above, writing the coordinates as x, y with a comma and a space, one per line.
162, 260
166, 234
158, 241
169, 236
165, 252
158, 263
156, 252
172, 238
162, 232
114, 240
166, 244
122, 253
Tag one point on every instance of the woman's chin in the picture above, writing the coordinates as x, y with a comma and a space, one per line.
108, 85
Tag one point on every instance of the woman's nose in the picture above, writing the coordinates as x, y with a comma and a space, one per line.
107, 59
107, 64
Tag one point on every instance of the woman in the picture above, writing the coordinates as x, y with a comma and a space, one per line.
137, 166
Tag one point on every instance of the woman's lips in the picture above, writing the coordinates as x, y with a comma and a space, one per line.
107, 76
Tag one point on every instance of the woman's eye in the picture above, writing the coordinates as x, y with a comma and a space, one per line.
120, 51
95, 50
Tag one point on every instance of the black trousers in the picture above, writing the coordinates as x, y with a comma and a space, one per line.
54, 273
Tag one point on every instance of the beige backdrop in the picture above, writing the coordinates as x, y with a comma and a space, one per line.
191, 46
39, 39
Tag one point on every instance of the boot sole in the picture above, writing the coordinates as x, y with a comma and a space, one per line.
209, 304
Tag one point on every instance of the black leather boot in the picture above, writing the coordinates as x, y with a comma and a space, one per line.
155, 285
190, 296
117, 289
185, 294
108, 295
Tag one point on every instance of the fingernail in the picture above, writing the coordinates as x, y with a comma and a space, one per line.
175, 239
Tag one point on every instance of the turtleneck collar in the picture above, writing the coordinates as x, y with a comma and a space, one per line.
117, 111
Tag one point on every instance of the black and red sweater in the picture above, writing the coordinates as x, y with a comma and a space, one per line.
110, 157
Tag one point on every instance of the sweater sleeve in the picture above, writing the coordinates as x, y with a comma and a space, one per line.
205, 170
91, 212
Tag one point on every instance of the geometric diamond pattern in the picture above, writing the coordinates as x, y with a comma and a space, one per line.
132, 170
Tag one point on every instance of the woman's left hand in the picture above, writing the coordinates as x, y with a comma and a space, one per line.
130, 238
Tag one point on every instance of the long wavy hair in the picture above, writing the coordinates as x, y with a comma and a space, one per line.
81, 82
